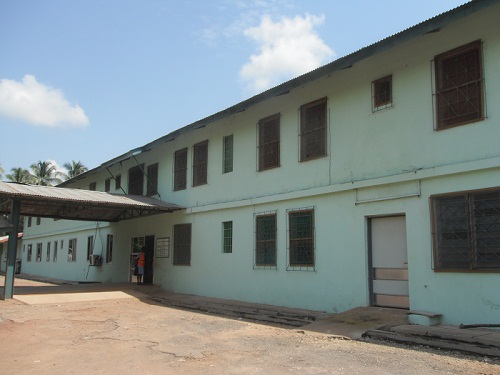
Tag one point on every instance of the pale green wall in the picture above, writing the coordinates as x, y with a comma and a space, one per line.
371, 156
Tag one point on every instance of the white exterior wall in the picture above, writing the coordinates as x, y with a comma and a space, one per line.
394, 159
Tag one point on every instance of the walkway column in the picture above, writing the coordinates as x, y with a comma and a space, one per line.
12, 249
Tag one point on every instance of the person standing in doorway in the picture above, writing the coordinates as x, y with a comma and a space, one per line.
140, 266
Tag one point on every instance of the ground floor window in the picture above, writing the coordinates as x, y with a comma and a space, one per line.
72, 250
301, 239
182, 245
466, 231
48, 252
227, 237
265, 240
55, 252
30, 253
39, 252
109, 248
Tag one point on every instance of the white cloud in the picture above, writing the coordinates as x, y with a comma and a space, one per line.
35, 103
287, 49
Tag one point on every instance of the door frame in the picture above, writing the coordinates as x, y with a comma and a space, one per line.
369, 233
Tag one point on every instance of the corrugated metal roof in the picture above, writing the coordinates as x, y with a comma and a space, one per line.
76, 204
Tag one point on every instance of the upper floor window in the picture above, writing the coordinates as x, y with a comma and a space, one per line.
382, 93
107, 185
136, 180
459, 86
152, 186
466, 231
313, 124
227, 157
90, 246
180, 169
118, 182
200, 162
93, 186
269, 142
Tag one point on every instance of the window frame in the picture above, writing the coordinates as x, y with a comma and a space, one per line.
152, 180
291, 264
118, 182
378, 86
227, 237
29, 254
72, 243
440, 61
261, 239
47, 257
39, 251
306, 135
90, 246
182, 234
136, 180
107, 185
180, 169
228, 154
54, 256
470, 233
267, 144
109, 248
200, 163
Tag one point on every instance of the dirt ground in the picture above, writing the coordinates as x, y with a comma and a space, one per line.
123, 334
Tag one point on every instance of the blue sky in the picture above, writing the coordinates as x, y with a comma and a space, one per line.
88, 80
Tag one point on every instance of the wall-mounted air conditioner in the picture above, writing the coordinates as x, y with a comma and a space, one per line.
95, 260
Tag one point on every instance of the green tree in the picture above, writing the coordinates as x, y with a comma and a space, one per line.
74, 169
1, 172
45, 174
20, 175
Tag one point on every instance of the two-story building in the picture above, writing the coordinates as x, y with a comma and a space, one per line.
373, 180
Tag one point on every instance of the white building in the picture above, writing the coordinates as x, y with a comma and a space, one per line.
373, 180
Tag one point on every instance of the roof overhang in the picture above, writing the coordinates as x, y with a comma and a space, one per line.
76, 204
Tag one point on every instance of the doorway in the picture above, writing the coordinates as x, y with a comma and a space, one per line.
388, 262
137, 243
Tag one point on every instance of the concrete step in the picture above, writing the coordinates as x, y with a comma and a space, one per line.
258, 313
450, 343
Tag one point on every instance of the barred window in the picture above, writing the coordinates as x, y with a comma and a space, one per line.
301, 239
466, 231
39, 252
200, 161
152, 185
29, 254
72, 250
227, 157
182, 244
313, 123
109, 248
459, 86
269, 142
382, 93
265, 240
136, 180
227, 237
180, 169
90, 246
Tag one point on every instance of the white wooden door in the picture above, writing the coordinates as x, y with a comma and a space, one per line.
389, 262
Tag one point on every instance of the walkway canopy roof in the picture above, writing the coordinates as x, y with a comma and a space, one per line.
76, 204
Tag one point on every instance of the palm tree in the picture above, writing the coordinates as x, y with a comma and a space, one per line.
20, 175
44, 173
74, 169
1, 172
